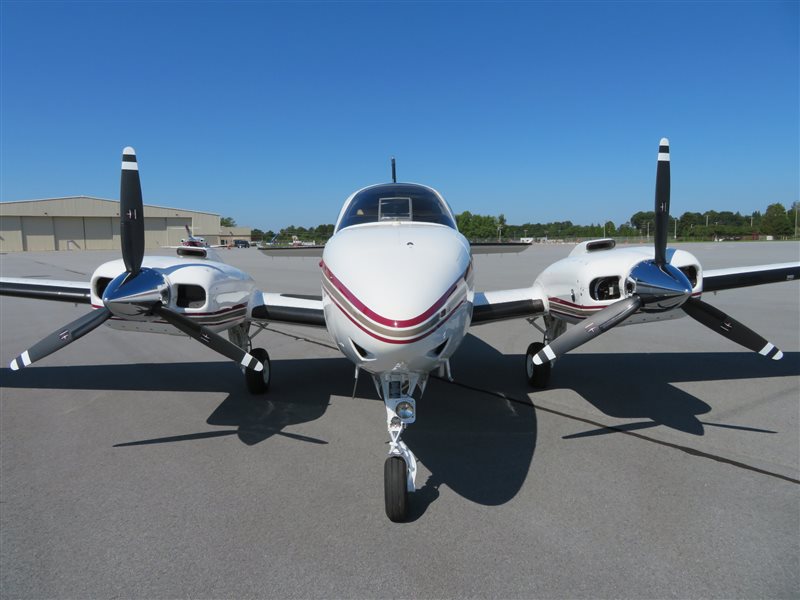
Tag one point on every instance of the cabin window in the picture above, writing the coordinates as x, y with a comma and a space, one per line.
394, 209
396, 202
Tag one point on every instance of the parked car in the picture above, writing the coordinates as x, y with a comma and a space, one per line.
241, 243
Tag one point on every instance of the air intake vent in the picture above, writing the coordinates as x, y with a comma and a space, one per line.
691, 274
191, 296
438, 350
596, 245
359, 350
101, 285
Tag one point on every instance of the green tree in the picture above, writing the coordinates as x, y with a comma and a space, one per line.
776, 221
227, 222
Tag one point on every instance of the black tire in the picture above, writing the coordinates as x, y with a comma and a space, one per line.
258, 383
538, 376
395, 489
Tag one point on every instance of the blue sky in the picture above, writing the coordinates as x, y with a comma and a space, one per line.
273, 113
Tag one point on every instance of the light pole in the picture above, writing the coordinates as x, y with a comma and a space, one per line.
499, 233
648, 230
675, 237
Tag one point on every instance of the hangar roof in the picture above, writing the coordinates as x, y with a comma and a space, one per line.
72, 206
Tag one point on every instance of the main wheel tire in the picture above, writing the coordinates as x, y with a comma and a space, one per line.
258, 382
395, 488
538, 375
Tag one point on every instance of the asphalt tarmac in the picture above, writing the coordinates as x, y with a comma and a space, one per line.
664, 461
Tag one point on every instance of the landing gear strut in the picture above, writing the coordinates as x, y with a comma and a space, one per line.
400, 468
257, 383
538, 376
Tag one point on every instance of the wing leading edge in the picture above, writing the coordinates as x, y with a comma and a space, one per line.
716, 280
506, 304
77, 292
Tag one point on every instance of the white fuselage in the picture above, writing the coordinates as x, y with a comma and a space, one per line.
397, 296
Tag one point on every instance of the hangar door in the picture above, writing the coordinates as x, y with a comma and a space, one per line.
155, 232
98, 233
37, 234
69, 233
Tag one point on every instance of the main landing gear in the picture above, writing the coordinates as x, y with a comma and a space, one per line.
538, 376
257, 383
400, 468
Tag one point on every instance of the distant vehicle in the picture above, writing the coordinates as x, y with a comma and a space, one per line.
241, 243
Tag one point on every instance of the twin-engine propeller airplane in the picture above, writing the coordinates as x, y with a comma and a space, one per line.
399, 329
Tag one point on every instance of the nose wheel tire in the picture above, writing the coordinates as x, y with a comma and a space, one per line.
395, 488
258, 383
538, 375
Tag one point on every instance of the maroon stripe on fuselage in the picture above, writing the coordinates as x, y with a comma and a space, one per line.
389, 340
364, 309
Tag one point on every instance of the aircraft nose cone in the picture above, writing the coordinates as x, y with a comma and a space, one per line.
660, 287
132, 297
407, 276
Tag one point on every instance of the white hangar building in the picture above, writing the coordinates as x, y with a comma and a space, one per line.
86, 223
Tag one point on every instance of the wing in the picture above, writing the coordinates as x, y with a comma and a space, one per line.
726, 279
294, 309
77, 292
506, 304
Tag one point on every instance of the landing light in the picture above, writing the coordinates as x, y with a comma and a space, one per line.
405, 410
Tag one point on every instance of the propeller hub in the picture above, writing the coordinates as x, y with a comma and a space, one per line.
661, 287
135, 296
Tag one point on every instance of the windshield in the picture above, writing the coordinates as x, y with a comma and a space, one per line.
396, 202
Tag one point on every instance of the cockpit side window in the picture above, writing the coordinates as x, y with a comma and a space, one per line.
396, 202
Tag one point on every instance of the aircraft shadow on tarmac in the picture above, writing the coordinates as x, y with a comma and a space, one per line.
625, 385
477, 436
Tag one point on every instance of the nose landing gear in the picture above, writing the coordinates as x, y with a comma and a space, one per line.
400, 468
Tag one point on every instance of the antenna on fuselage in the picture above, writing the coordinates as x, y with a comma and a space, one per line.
394, 172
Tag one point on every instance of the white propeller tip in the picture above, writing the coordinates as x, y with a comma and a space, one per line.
129, 151
537, 360
14, 365
664, 142
778, 355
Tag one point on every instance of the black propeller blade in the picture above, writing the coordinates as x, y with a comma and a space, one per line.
662, 202
61, 337
208, 337
718, 321
131, 216
600, 322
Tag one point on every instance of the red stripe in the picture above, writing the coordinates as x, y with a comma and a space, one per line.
578, 306
196, 314
391, 341
363, 308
